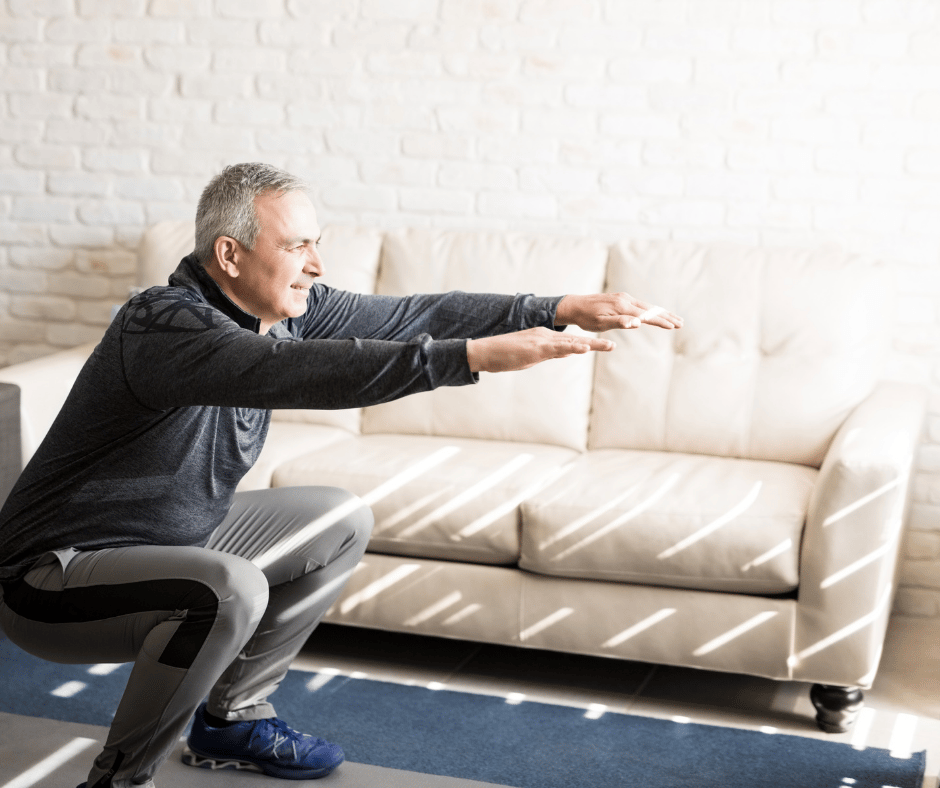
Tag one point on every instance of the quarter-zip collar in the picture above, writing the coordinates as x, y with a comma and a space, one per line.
192, 275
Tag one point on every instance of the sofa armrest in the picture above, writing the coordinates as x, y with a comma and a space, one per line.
44, 383
10, 451
852, 538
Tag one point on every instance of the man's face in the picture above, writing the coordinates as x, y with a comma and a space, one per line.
274, 278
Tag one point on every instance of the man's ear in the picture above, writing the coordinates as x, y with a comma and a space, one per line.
226, 252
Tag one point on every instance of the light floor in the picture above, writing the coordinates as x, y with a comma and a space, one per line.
902, 711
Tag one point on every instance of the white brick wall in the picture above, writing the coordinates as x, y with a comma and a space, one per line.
774, 122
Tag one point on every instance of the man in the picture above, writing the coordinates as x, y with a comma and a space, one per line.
123, 539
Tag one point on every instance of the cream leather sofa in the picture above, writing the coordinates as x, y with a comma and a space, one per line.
730, 496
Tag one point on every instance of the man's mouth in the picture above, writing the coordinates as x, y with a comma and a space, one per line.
304, 282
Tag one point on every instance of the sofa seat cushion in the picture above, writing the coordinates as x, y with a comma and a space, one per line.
433, 497
669, 519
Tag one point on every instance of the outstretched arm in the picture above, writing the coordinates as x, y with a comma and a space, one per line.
524, 349
336, 314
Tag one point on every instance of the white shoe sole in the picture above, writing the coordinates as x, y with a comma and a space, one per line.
217, 764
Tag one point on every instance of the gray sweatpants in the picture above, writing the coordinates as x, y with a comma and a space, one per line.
223, 621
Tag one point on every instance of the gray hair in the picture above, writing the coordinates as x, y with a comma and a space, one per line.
227, 204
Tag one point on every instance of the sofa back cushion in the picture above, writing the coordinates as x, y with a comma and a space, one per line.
778, 346
350, 258
548, 403
160, 250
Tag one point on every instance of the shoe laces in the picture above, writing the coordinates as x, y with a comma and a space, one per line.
273, 738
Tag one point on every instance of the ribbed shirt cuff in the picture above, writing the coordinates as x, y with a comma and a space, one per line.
447, 363
547, 306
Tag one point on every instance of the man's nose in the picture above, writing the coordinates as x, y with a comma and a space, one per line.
314, 262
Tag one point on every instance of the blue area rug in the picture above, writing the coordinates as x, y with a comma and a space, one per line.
527, 745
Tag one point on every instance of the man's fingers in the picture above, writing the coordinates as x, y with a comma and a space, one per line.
523, 349
583, 345
561, 346
650, 313
597, 343
606, 311
658, 316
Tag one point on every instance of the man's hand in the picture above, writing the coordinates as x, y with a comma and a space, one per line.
524, 349
605, 311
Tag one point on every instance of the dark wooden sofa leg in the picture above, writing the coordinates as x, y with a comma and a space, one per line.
836, 707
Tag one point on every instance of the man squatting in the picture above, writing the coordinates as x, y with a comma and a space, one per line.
124, 540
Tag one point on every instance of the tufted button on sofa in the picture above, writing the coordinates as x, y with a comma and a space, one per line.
731, 496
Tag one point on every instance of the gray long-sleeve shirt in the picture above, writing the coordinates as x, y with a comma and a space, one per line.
173, 406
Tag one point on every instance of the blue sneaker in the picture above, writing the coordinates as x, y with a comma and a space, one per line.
266, 746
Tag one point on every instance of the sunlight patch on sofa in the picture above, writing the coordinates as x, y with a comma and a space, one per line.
460, 615
545, 623
406, 511
577, 525
410, 473
855, 566
472, 492
614, 524
432, 610
772, 553
713, 526
733, 634
845, 511
376, 587
846, 631
641, 626
507, 506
